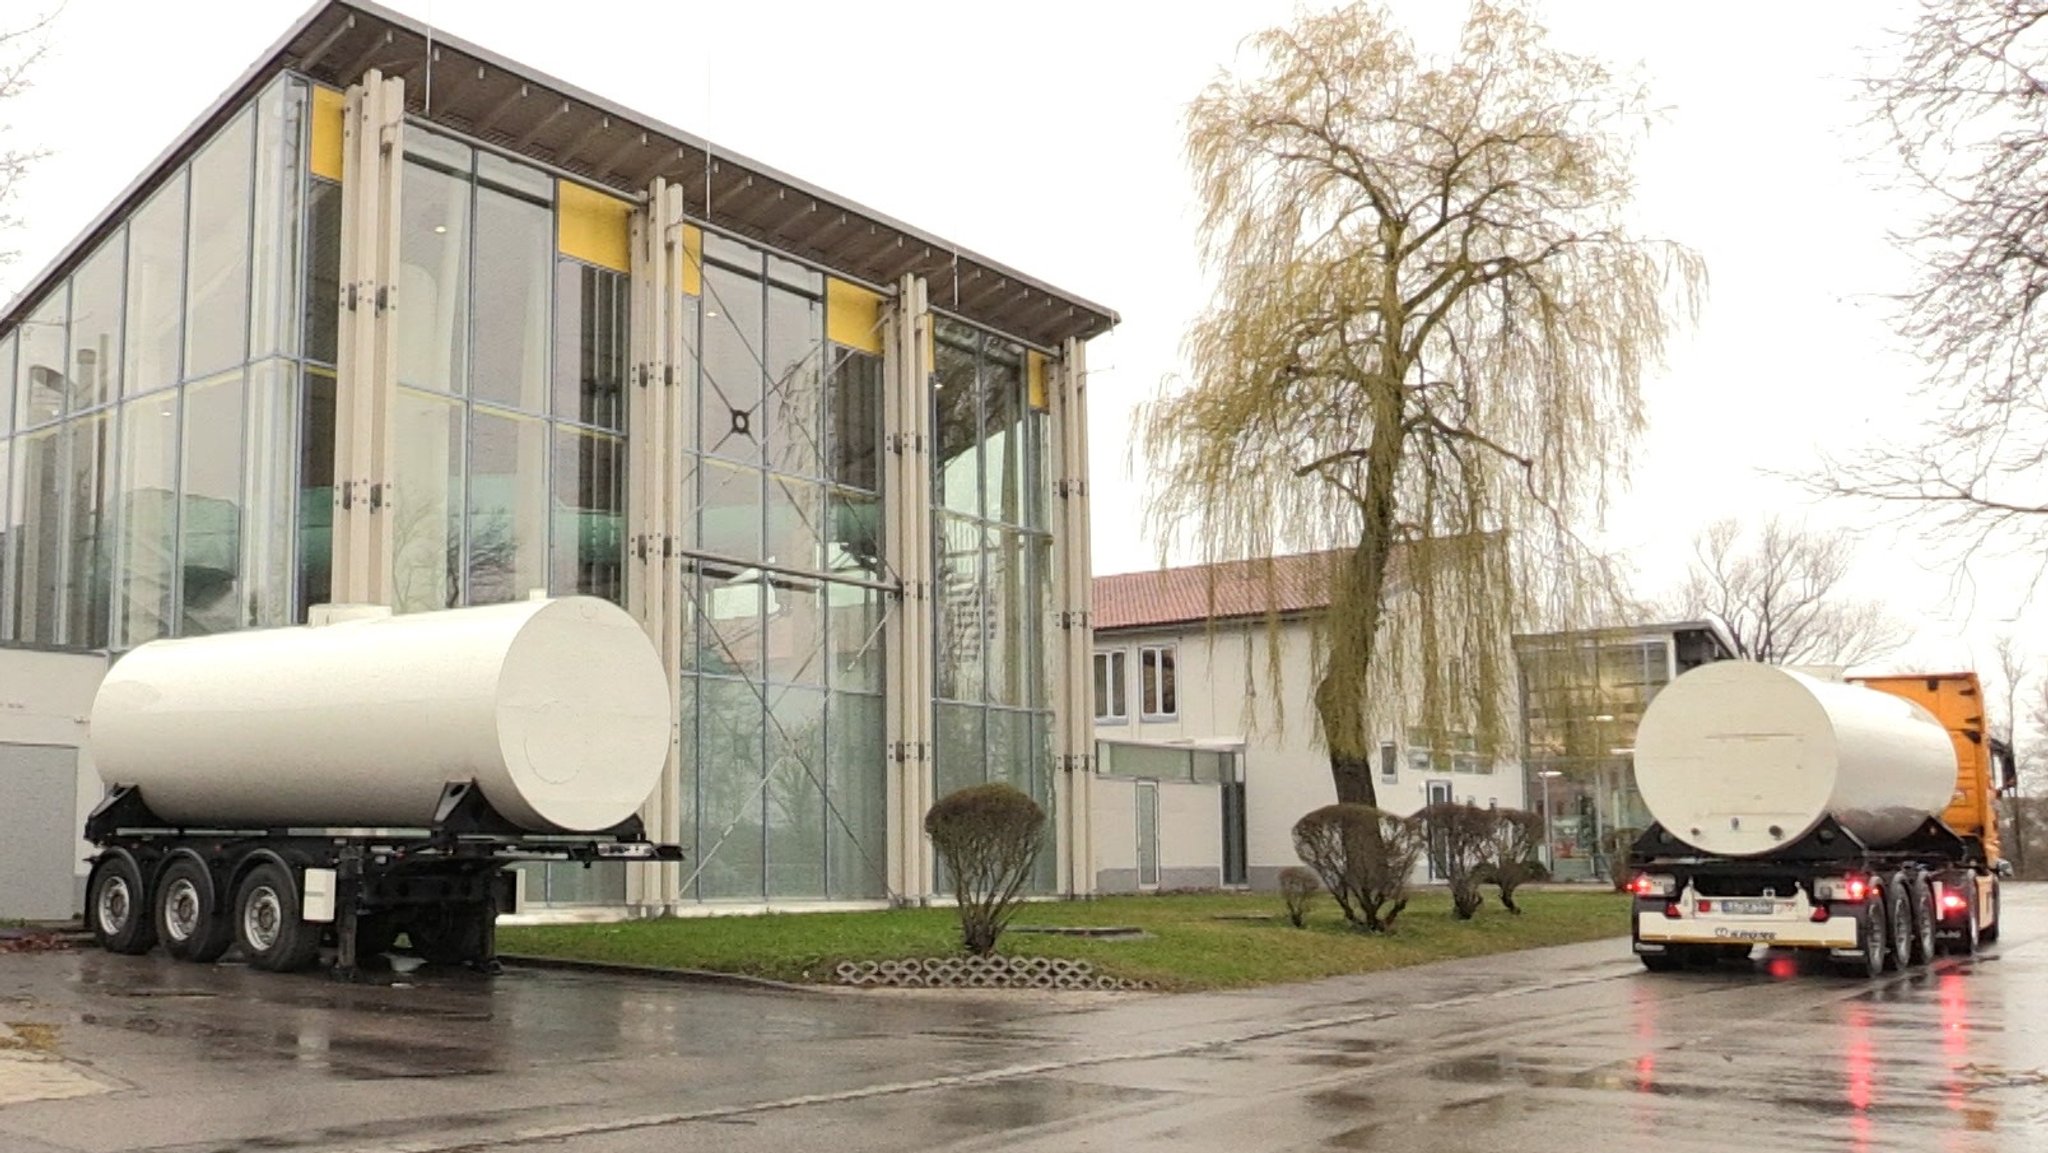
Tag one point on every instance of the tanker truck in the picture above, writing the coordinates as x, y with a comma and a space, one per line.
372, 776
1853, 818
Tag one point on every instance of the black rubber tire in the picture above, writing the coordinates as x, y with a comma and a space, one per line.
1923, 920
1990, 932
375, 935
1873, 934
1898, 919
267, 923
117, 906
1661, 962
186, 880
448, 934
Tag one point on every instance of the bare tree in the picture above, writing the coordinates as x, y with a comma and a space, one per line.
2012, 675
20, 50
1778, 593
1429, 327
1965, 113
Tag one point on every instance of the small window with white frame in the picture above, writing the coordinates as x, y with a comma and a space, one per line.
1155, 664
1390, 763
1111, 706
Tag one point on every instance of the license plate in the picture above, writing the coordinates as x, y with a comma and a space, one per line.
1738, 908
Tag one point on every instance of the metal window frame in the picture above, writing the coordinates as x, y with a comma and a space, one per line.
1115, 672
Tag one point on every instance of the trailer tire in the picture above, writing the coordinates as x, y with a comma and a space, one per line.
1872, 932
1898, 917
117, 905
268, 926
188, 913
1661, 962
448, 934
1990, 932
375, 935
1923, 919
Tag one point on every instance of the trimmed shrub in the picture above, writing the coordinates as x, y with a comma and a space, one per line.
1516, 836
1363, 857
988, 836
1460, 838
1298, 888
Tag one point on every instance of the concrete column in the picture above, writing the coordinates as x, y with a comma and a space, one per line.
907, 541
366, 372
1073, 618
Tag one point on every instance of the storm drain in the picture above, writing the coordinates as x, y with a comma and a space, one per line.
982, 973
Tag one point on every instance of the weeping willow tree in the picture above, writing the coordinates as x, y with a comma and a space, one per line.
1430, 324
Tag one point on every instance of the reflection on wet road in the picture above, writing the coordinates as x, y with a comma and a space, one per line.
1561, 1049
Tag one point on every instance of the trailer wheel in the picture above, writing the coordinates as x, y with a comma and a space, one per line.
1898, 903
375, 935
1923, 920
448, 934
1990, 932
267, 921
188, 919
117, 903
1874, 934
1967, 938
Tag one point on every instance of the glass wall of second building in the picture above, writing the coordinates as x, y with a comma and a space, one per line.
1582, 701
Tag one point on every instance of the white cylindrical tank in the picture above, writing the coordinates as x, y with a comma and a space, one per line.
1738, 759
557, 709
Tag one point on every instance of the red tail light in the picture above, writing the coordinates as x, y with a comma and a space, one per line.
1954, 902
1643, 886
1820, 913
1858, 888
1671, 911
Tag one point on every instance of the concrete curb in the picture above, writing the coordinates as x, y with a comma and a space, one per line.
652, 972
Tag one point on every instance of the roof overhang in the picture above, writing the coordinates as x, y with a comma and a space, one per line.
486, 96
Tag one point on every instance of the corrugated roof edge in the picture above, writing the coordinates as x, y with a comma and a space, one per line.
272, 60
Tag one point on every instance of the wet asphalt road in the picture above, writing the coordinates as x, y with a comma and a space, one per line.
1568, 1049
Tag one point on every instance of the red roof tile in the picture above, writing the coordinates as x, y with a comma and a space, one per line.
1226, 591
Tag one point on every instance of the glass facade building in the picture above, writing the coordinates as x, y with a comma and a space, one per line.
1583, 694
845, 502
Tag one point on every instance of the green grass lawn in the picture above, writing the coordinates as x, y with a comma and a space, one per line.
1196, 941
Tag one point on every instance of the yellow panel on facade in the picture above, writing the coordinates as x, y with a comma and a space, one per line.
1034, 382
853, 316
324, 157
594, 227
693, 260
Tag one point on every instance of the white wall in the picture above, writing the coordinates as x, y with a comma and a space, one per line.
46, 699
1190, 835
1228, 694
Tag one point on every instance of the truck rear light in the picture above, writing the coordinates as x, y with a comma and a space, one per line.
1851, 888
1653, 885
1820, 913
1706, 906
1672, 912
1954, 902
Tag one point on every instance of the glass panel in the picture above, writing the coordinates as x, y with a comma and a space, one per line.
602, 883
730, 524
1010, 668
437, 148
323, 269
96, 326
960, 749
687, 760
433, 280
88, 531
1148, 834
1045, 877
795, 651
729, 768
857, 819
853, 534
210, 508
589, 548
1038, 663
508, 488
1009, 749
156, 280
730, 606
729, 412
958, 436
273, 322
795, 522
855, 419
962, 616
795, 364
1105, 706
515, 255
726, 250
855, 637
148, 505
37, 536
1038, 513
796, 793
316, 494
426, 518
795, 275
273, 445
39, 385
1002, 415
6, 526
217, 275
590, 345
515, 176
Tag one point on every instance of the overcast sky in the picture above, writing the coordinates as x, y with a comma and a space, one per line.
1047, 136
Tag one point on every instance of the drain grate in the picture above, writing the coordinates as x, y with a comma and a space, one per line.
982, 973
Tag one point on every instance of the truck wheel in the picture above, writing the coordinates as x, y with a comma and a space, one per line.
117, 904
1665, 962
1923, 920
1990, 932
1874, 935
448, 934
375, 935
188, 919
267, 922
1898, 910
